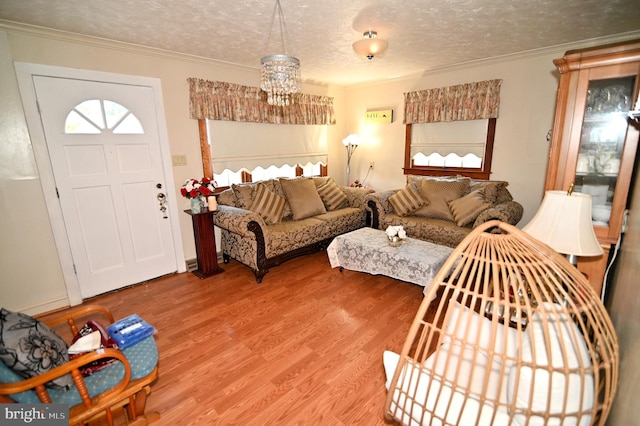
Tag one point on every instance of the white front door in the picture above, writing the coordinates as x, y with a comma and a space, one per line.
103, 145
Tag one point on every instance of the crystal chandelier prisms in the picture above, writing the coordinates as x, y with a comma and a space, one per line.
280, 73
280, 78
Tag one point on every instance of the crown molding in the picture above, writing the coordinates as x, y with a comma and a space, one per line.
65, 36
528, 54
87, 40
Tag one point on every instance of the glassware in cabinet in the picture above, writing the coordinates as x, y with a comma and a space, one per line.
593, 142
602, 139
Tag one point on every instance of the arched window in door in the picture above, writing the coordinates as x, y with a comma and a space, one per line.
97, 115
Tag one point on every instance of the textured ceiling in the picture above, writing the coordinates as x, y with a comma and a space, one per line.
422, 34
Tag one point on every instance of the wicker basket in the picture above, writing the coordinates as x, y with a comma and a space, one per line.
509, 333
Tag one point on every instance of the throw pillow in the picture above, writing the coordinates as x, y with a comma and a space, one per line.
244, 194
489, 188
503, 195
30, 348
321, 180
549, 379
439, 193
468, 327
227, 198
466, 209
416, 180
331, 195
267, 204
277, 188
406, 201
303, 197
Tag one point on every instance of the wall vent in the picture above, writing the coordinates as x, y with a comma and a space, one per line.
192, 264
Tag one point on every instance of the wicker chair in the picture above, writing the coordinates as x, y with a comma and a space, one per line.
509, 333
116, 393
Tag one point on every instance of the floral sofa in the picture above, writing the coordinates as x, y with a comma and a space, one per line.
443, 210
265, 223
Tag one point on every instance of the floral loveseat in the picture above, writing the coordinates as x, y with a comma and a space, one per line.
443, 210
265, 223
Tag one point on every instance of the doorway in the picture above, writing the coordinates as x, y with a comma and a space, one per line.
102, 150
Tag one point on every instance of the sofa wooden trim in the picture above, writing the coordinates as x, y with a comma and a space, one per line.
378, 205
264, 263
247, 238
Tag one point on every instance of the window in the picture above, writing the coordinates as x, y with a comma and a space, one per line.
465, 111
228, 177
97, 115
446, 148
243, 152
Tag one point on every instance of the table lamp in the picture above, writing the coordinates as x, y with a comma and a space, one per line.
563, 222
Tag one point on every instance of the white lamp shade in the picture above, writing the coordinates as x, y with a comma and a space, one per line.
370, 47
563, 222
352, 139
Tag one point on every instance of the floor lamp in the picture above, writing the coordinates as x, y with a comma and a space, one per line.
351, 142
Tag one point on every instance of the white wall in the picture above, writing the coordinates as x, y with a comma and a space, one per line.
31, 273
31, 279
527, 101
623, 305
527, 104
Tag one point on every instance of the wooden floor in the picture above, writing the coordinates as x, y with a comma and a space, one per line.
304, 347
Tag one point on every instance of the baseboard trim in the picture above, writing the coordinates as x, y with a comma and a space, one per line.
45, 307
192, 264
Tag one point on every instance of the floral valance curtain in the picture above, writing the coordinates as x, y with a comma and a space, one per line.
470, 101
218, 100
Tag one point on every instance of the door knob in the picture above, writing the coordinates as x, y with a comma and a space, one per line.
162, 199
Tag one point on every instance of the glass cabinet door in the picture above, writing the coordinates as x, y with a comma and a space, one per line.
604, 130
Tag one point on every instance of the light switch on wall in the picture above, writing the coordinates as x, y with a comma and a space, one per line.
179, 160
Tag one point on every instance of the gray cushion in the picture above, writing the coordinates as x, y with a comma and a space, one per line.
30, 348
142, 357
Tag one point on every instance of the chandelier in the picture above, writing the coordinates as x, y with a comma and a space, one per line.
280, 73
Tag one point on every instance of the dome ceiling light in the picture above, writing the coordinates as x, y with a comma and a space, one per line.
370, 46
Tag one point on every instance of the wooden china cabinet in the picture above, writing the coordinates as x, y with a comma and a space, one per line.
594, 141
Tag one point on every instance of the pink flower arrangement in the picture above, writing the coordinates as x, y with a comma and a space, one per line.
356, 184
193, 188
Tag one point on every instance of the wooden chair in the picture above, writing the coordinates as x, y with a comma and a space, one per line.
509, 333
118, 392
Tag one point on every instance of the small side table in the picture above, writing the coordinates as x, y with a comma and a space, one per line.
205, 237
